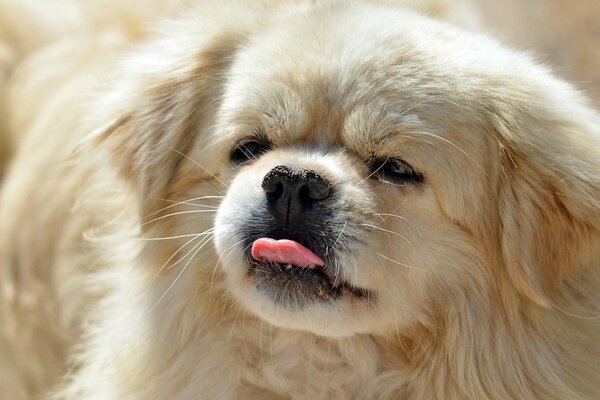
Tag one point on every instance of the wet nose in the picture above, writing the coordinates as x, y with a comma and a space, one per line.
291, 192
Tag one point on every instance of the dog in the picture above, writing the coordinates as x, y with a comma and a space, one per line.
298, 199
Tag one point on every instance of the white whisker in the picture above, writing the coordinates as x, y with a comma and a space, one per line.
376, 171
199, 246
233, 325
178, 213
450, 143
391, 215
204, 240
177, 236
200, 205
212, 279
338, 237
210, 173
394, 261
337, 266
387, 231
173, 255
184, 202
260, 341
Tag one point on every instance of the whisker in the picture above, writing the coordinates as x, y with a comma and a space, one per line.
426, 101
338, 237
176, 203
200, 205
392, 215
225, 300
232, 248
355, 267
394, 184
177, 236
376, 171
201, 245
260, 342
210, 173
204, 240
337, 267
173, 255
387, 231
394, 261
219, 261
451, 143
400, 341
249, 155
177, 213
327, 365
211, 186
271, 341
233, 325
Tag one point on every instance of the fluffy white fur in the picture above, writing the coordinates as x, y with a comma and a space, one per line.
118, 280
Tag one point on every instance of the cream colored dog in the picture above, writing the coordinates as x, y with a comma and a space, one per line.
309, 200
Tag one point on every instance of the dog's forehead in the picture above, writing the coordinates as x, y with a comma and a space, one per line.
323, 99
362, 84
316, 106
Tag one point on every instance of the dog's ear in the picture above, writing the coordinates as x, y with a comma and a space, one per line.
549, 188
164, 98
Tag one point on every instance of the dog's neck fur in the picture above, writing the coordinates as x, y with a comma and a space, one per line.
486, 347
471, 353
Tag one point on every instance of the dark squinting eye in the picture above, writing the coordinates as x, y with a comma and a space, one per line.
249, 150
395, 171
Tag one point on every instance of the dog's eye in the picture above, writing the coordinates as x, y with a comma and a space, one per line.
395, 171
248, 150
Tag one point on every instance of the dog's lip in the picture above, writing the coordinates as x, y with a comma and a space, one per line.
335, 283
287, 257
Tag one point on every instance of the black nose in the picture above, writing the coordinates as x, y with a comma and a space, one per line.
291, 192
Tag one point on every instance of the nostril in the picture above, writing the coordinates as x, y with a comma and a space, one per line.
274, 191
272, 184
305, 195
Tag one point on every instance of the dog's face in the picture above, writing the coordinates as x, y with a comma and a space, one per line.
365, 150
383, 169
330, 151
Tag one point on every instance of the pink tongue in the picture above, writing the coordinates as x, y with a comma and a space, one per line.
284, 252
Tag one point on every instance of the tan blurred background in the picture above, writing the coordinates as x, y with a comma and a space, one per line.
563, 33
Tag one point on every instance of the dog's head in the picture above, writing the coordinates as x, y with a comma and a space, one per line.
376, 166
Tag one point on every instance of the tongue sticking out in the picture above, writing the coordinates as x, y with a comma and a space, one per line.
284, 252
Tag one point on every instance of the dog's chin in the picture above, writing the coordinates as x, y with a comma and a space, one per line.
302, 299
297, 288
341, 315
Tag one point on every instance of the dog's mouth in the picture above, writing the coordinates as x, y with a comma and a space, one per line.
293, 276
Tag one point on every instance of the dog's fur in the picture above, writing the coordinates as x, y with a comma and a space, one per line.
485, 278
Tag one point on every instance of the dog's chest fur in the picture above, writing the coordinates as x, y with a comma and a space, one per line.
308, 366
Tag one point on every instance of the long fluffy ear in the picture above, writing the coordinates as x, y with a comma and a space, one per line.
549, 190
165, 96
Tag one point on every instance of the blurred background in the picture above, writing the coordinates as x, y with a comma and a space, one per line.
563, 33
